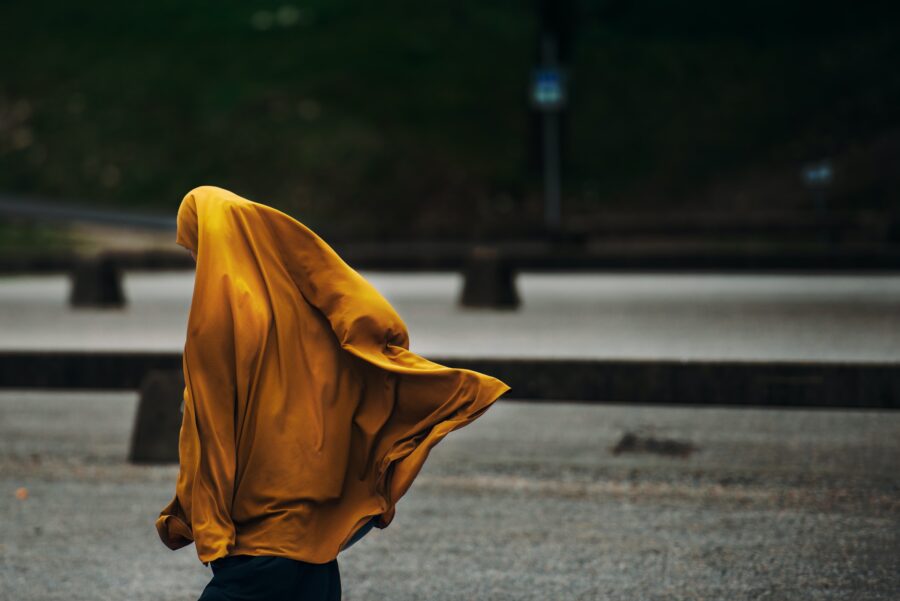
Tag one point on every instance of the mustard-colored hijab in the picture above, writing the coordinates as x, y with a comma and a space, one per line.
305, 413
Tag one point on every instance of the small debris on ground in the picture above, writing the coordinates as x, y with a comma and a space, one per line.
632, 442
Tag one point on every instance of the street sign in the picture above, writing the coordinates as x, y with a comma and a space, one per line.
548, 89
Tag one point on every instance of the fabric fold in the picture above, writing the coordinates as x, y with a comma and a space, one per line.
305, 411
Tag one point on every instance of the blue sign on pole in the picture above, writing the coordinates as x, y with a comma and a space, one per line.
548, 95
548, 90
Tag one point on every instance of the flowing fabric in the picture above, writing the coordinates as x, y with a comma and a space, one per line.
305, 412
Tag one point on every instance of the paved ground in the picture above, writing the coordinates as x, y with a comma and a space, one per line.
527, 503
839, 318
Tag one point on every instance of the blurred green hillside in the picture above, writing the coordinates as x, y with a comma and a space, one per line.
393, 118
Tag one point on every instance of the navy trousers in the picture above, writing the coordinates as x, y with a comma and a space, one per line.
269, 578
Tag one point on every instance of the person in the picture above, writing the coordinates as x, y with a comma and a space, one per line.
305, 415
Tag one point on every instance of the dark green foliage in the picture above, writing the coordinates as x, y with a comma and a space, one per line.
412, 116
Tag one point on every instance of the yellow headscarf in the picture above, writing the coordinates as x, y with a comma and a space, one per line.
305, 413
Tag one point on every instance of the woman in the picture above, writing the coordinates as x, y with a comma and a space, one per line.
306, 417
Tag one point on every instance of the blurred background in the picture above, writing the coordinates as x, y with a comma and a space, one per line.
672, 228
416, 120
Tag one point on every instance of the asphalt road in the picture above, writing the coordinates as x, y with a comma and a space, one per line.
530, 502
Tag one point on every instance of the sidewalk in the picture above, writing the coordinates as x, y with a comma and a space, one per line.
712, 317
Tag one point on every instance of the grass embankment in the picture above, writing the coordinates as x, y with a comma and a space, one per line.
387, 119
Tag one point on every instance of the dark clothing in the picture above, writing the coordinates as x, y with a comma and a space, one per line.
270, 578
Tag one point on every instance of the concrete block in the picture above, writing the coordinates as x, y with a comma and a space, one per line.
157, 423
489, 280
96, 282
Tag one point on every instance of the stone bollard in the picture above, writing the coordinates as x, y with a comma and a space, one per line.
96, 282
489, 280
157, 423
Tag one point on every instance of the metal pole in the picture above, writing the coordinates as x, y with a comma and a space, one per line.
552, 204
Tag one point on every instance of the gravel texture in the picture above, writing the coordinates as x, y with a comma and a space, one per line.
527, 503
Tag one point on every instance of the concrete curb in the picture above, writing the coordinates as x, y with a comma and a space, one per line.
667, 382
